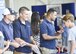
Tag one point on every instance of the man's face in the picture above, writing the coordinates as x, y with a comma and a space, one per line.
53, 16
11, 17
25, 15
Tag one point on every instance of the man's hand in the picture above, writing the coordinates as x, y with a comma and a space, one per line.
0, 51
60, 31
8, 44
58, 37
15, 44
23, 44
36, 49
20, 41
32, 39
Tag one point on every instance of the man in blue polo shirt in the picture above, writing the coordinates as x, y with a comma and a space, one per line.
7, 29
23, 33
47, 33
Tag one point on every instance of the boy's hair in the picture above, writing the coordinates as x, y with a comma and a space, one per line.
68, 17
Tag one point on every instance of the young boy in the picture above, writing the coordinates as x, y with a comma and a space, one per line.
69, 22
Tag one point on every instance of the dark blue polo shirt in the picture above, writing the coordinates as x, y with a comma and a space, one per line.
24, 32
7, 30
48, 28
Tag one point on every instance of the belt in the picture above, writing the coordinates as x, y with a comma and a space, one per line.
15, 52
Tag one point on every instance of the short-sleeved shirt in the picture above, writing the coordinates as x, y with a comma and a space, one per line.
24, 32
48, 28
7, 30
72, 34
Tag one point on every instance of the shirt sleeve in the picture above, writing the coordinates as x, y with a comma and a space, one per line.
30, 31
71, 36
1, 27
16, 30
3, 31
43, 28
30, 28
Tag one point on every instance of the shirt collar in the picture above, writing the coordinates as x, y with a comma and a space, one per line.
4, 22
48, 21
21, 22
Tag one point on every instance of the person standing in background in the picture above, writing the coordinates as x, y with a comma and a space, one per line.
35, 21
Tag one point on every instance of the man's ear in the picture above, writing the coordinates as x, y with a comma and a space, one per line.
20, 14
50, 14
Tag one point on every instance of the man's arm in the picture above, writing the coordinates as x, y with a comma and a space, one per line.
44, 31
33, 40
72, 47
22, 42
47, 37
15, 44
7, 43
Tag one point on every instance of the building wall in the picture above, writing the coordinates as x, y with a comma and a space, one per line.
75, 9
61, 1
16, 4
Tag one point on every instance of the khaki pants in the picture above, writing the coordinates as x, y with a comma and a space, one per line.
21, 53
8, 52
48, 51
